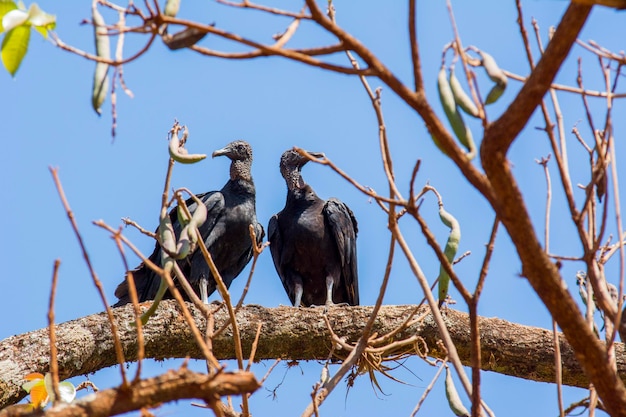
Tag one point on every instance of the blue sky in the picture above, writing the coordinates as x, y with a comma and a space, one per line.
275, 104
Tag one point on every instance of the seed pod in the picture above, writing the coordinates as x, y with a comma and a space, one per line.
197, 219
167, 237
454, 401
452, 246
495, 93
184, 245
180, 154
438, 144
171, 8
183, 39
460, 97
493, 70
103, 50
462, 132
167, 263
181, 215
199, 216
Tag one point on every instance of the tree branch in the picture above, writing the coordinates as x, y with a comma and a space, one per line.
170, 386
85, 345
502, 132
510, 207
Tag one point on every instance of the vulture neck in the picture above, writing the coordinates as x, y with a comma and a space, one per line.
240, 170
294, 180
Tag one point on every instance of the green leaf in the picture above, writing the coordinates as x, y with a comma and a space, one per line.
42, 31
14, 47
5, 7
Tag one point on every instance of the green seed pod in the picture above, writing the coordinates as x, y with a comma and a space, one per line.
199, 216
460, 97
167, 263
452, 246
493, 70
462, 132
171, 8
197, 219
183, 219
167, 237
103, 50
180, 154
438, 144
184, 245
454, 401
495, 93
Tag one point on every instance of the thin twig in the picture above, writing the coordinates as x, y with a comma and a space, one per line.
270, 10
54, 364
173, 290
415, 56
221, 287
255, 343
132, 290
270, 50
469, 75
486, 260
429, 388
365, 190
116, 338
565, 88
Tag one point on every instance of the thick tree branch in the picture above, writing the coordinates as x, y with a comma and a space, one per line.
542, 274
416, 99
502, 132
85, 345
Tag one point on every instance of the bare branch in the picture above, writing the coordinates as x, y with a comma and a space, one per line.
86, 345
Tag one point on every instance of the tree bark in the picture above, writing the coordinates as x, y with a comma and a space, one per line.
85, 345
171, 386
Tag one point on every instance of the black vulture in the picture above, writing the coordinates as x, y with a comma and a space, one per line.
225, 232
313, 242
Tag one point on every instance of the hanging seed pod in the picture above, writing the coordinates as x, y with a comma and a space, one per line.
181, 215
171, 8
179, 154
495, 93
464, 101
167, 237
168, 264
462, 132
103, 50
184, 245
493, 70
452, 246
454, 401
496, 75
199, 216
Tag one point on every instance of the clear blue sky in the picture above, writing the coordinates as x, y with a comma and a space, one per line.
275, 104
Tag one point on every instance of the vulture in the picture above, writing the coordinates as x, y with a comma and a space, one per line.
225, 233
313, 242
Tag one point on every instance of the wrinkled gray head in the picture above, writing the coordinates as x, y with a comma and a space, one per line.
240, 153
291, 162
239, 150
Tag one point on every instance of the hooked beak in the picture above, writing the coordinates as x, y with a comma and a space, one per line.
221, 152
317, 155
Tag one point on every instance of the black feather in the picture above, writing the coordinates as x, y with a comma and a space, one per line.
312, 240
225, 232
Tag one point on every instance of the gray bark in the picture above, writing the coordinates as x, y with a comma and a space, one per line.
85, 345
